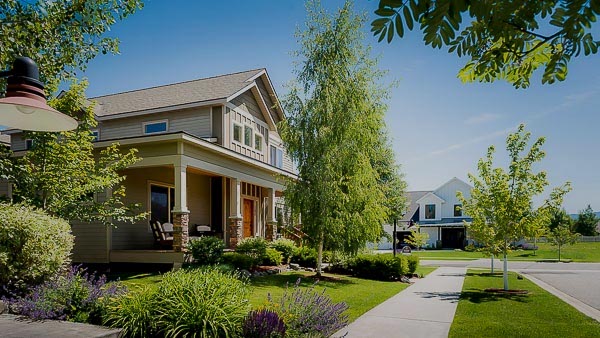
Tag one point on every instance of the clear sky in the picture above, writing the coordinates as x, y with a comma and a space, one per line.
440, 126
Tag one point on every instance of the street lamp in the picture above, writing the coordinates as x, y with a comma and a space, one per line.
24, 106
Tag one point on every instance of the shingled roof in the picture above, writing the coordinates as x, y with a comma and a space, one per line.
413, 197
195, 91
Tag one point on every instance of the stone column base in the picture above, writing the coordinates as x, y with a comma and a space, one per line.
271, 231
235, 231
180, 230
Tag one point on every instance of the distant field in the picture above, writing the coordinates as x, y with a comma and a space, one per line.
580, 252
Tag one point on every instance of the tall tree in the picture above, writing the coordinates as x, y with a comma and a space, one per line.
506, 40
334, 131
501, 202
62, 173
587, 222
61, 36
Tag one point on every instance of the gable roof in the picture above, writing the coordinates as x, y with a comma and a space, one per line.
215, 88
431, 194
413, 197
455, 179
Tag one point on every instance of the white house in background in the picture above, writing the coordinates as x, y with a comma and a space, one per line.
437, 212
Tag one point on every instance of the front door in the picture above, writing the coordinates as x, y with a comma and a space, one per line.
453, 238
248, 218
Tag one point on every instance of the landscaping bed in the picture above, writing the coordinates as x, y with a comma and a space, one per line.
535, 314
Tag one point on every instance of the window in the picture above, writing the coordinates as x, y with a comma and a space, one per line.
155, 127
276, 157
96, 134
429, 211
458, 210
237, 132
162, 202
258, 142
248, 136
28, 144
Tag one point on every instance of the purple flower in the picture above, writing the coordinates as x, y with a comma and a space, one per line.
263, 324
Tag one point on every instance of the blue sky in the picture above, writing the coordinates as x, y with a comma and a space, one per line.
440, 126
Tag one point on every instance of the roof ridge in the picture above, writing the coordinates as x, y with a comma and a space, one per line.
178, 83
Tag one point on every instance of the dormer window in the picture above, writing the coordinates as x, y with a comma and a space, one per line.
430, 211
458, 210
258, 142
248, 136
237, 132
155, 127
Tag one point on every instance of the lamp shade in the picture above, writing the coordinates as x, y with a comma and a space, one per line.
25, 107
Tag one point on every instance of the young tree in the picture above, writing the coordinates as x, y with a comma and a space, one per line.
61, 173
334, 132
417, 238
562, 236
501, 202
586, 222
61, 36
506, 40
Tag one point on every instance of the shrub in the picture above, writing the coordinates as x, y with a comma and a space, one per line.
207, 250
263, 324
198, 302
238, 260
254, 247
33, 246
76, 296
305, 256
307, 312
286, 247
379, 267
271, 257
470, 248
413, 263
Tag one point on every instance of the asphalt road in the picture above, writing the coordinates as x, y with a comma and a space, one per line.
578, 280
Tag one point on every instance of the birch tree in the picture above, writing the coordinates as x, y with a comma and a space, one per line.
501, 202
335, 132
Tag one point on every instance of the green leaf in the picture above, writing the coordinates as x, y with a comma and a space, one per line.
399, 26
408, 18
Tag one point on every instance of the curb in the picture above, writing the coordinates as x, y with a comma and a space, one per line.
579, 305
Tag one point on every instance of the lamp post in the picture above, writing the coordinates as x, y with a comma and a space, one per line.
24, 106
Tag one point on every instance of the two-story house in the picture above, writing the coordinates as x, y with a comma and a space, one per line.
211, 155
440, 214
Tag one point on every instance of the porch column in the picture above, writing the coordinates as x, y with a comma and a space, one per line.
271, 215
235, 224
180, 210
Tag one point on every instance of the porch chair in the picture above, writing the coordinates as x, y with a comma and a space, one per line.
162, 239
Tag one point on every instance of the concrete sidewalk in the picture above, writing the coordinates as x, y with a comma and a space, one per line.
424, 309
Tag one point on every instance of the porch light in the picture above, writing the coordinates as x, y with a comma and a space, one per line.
24, 106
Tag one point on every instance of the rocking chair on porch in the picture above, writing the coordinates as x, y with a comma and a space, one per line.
162, 239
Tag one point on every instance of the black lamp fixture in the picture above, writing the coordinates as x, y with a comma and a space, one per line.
24, 106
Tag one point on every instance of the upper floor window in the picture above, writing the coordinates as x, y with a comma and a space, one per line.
248, 136
429, 211
155, 127
28, 144
96, 134
458, 210
237, 132
276, 157
258, 142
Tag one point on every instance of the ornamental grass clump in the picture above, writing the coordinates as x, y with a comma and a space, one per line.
263, 323
77, 296
307, 312
185, 303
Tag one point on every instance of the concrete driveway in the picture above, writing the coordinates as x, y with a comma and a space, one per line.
578, 281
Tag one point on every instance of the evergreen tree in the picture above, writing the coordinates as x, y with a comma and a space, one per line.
587, 222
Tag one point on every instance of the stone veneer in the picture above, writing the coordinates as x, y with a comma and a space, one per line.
235, 231
180, 230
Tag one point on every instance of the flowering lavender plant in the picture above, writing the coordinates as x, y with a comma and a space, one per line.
308, 312
263, 324
76, 296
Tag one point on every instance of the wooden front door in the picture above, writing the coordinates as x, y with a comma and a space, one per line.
248, 218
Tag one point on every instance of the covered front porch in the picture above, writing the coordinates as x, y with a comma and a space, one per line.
190, 182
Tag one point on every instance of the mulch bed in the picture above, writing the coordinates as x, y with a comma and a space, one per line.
507, 292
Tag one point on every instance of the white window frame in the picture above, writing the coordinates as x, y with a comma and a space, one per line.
144, 124
149, 198
251, 145
434, 211
260, 149
276, 161
235, 124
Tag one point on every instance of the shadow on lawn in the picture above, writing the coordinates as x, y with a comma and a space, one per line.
479, 296
282, 281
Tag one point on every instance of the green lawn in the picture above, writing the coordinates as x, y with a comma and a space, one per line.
580, 252
537, 314
361, 295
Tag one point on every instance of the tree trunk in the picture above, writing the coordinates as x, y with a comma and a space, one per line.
534, 245
320, 257
492, 264
559, 252
505, 272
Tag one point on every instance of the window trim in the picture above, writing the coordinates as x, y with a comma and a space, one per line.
149, 196
434, 211
235, 124
277, 162
256, 137
144, 124
28, 144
